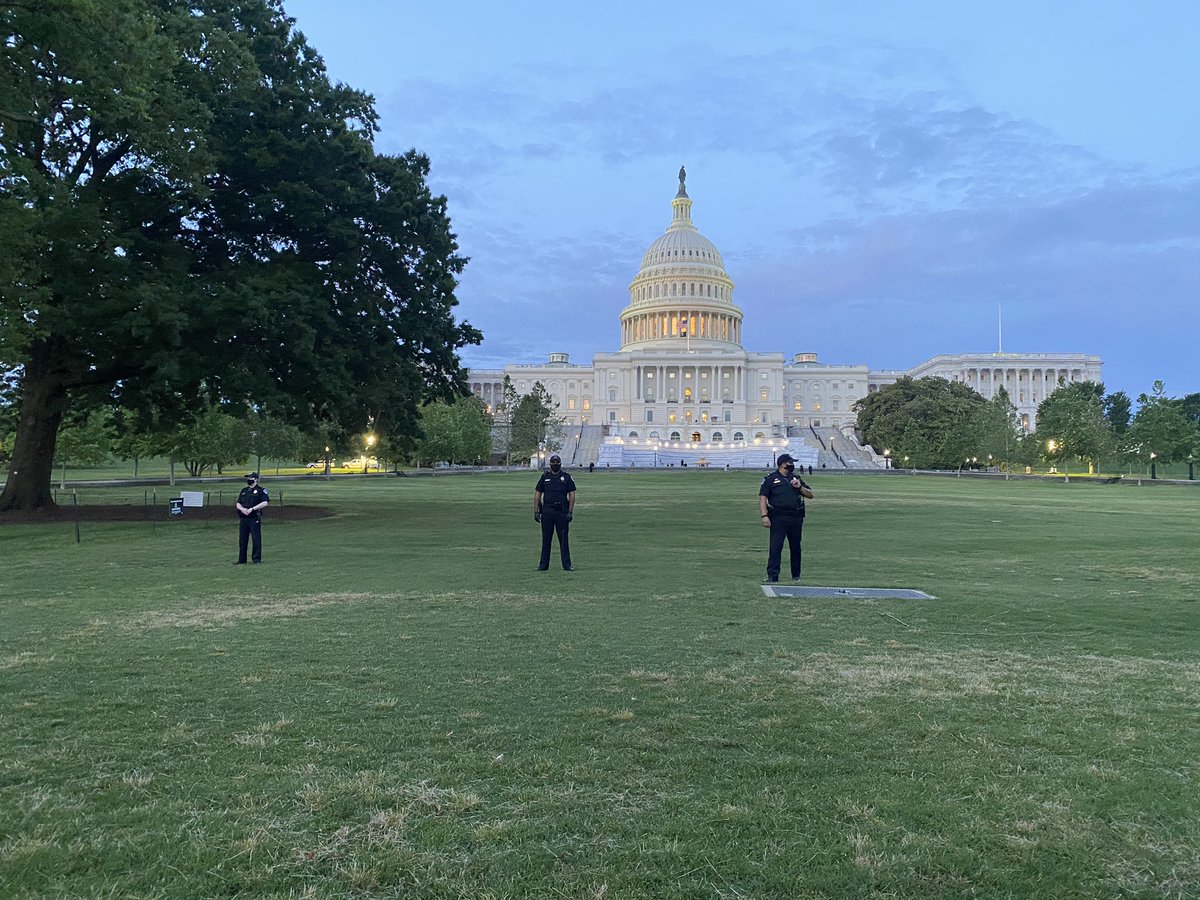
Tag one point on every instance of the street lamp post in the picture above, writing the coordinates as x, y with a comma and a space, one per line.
1191, 467
327, 464
370, 442
1153, 471
887, 458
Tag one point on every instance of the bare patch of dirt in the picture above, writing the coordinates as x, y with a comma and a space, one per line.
128, 513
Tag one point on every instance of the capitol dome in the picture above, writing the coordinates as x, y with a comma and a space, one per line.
681, 291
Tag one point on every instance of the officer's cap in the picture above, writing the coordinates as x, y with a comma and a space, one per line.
556, 458
253, 475
783, 458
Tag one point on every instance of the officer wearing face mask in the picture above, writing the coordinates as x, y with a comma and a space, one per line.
781, 504
251, 502
554, 507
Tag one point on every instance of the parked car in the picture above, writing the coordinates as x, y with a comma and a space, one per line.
361, 463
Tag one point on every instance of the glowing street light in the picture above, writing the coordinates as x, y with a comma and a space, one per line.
1153, 471
887, 458
370, 442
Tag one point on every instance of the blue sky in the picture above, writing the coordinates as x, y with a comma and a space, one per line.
880, 177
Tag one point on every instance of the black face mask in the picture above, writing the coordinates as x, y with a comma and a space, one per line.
249, 482
554, 467
789, 468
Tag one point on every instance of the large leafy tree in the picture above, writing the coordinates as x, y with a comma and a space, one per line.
994, 431
211, 440
192, 214
273, 438
1118, 409
87, 441
1161, 427
1073, 418
535, 423
460, 432
929, 420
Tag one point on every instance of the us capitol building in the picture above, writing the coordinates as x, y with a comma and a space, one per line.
682, 390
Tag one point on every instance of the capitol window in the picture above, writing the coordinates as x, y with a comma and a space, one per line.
764, 394
738, 436
570, 403
587, 403
799, 406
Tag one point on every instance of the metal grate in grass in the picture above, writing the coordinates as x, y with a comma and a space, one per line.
858, 593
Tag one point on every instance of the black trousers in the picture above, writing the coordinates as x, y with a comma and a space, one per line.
784, 526
555, 522
250, 527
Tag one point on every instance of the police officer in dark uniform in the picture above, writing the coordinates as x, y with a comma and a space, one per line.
781, 503
251, 502
554, 507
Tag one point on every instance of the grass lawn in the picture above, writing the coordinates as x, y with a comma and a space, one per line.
396, 704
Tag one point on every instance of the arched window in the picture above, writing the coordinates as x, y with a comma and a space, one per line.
717, 436
738, 436
759, 434
674, 435
654, 435
695, 437
633, 434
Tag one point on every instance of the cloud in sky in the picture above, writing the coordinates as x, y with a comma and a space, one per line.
857, 185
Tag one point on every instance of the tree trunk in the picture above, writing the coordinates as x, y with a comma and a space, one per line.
43, 401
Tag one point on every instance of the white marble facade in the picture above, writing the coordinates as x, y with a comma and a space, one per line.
681, 373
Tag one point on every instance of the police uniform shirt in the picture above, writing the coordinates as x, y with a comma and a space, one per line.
780, 494
554, 487
250, 497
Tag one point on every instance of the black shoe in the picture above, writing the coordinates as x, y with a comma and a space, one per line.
795, 578
771, 581
239, 562
542, 568
568, 568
